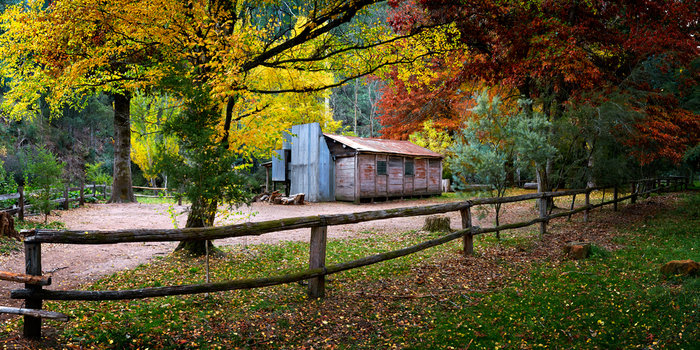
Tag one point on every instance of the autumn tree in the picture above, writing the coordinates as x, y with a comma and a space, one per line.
556, 53
252, 69
75, 48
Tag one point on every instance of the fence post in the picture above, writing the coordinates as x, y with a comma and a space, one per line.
634, 193
94, 190
588, 204
104, 191
468, 238
82, 193
65, 197
32, 325
543, 215
317, 259
615, 198
573, 200
20, 213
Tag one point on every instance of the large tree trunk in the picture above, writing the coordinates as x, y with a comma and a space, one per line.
122, 192
202, 214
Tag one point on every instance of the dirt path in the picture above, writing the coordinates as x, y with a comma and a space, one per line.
73, 265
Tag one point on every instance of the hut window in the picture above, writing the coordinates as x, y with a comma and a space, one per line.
381, 167
408, 167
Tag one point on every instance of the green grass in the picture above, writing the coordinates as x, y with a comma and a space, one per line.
9, 245
612, 300
159, 200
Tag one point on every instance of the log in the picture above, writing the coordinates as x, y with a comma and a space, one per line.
34, 313
24, 278
229, 285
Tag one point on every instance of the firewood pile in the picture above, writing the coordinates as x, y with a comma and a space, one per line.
277, 198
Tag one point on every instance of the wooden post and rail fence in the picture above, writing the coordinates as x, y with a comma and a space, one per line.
64, 202
34, 294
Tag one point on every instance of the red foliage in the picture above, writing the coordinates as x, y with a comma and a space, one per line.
403, 109
665, 131
553, 51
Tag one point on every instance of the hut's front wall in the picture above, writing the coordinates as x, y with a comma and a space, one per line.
425, 179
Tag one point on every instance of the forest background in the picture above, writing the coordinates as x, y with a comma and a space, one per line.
567, 93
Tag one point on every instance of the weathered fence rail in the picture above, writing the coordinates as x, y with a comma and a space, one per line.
34, 294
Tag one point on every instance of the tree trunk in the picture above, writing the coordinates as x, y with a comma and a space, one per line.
122, 192
543, 185
202, 214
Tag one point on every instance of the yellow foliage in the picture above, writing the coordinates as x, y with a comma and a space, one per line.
147, 140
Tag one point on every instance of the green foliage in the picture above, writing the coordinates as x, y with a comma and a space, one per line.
204, 170
691, 159
356, 104
497, 142
95, 172
7, 185
588, 136
44, 172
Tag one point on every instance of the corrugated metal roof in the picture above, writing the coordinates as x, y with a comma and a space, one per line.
362, 144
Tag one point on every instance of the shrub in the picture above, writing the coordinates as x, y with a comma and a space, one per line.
44, 171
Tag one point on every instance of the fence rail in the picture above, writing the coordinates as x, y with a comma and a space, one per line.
34, 294
155, 190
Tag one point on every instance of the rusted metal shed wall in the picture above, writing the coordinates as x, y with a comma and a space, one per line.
311, 172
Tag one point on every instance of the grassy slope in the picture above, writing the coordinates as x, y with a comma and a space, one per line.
508, 296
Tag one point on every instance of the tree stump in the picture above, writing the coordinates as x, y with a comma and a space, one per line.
577, 250
437, 223
7, 226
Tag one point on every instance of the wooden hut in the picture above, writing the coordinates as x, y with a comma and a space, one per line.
367, 169
329, 167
